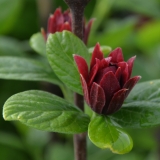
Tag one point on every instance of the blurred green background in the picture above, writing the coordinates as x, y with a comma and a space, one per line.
132, 25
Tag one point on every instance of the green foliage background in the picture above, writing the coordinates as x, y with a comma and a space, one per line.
132, 25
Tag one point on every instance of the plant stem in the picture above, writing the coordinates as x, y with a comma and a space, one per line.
77, 10
79, 139
80, 146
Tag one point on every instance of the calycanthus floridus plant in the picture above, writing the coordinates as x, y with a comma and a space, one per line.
116, 100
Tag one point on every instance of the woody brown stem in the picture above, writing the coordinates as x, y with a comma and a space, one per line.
79, 139
77, 10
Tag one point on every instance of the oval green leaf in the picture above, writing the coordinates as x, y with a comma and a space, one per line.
38, 43
60, 49
45, 111
11, 47
104, 133
142, 108
17, 68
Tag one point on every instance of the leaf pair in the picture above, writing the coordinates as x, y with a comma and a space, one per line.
47, 112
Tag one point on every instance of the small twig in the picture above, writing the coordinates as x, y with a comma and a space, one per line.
77, 10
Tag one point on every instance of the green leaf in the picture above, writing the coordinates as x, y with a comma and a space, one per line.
9, 13
147, 36
101, 11
38, 44
60, 49
26, 69
45, 111
142, 108
149, 8
8, 153
121, 29
11, 140
104, 133
11, 47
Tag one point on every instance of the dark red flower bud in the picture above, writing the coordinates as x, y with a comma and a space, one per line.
59, 22
107, 83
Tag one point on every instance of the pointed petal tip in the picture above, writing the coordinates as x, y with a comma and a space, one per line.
97, 53
42, 29
92, 19
117, 55
131, 83
97, 45
51, 16
90, 22
118, 49
108, 59
58, 9
76, 56
44, 34
82, 66
137, 77
132, 58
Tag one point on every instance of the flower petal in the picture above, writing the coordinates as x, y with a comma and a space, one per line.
65, 26
59, 20
93, 72
130, 65
85, 90
67, 17
82, 66
97, 98
44, 34
87, 30
131, 83
55, 21
105, 62
102, 72
116, 101
118, 73
97, 53
124, 72
116, 55
110, 85
51, 24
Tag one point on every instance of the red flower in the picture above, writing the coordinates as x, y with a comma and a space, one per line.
59, 21
108, 82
